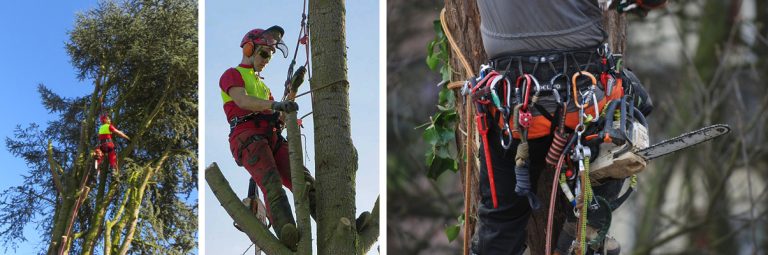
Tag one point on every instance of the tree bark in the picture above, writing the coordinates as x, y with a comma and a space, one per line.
336, 162
300, 193
463, 21
257, 232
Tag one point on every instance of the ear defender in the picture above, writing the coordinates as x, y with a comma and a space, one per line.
248, 49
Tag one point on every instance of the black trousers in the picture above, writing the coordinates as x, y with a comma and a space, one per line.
502, 230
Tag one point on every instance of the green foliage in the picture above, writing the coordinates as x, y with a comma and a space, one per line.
452, 231
141, 57
440, 133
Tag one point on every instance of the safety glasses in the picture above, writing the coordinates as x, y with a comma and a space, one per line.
265, 54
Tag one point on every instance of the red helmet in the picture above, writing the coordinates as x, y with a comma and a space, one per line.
272, 37
104, 118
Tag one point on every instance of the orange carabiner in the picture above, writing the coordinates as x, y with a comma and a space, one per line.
573, 82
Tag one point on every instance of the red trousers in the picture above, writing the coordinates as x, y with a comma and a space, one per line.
261, 153
109, 149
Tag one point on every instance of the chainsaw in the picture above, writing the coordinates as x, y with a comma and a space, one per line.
624, 154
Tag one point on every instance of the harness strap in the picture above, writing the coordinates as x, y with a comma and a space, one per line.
238, 120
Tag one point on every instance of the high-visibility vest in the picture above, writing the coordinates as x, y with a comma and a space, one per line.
253, 85
104, 129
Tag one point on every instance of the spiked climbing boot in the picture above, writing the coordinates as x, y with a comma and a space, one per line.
280, 210
363, 221
312, 193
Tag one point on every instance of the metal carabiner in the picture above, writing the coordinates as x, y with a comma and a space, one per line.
595, 106
555, 89
537, 89
505, 112
573, 81
506, 143
495, 95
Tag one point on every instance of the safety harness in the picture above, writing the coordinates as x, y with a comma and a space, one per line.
577, 134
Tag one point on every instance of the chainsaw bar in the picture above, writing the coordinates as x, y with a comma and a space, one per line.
684, 141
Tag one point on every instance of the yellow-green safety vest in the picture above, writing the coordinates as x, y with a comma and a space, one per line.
104, 129
253, 85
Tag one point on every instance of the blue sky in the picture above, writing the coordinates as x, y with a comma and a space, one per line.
226, 23
31, 53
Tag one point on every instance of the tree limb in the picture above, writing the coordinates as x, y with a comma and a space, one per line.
139, 197
370, 234
55, 168
257, 232
300, 191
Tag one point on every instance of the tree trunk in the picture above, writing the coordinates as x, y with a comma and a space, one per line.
463, 21
336, 157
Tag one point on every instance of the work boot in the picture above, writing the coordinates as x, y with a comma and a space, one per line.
280, 209
363, 220
312, 193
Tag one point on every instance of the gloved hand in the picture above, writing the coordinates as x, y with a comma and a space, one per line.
287, 106
298, 78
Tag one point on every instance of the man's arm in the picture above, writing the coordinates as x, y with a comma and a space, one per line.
118, 132
248, 102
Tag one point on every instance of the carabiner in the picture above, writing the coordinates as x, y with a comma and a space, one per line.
555, 89
573, 81
527, 90
595, 106
495, 95
536, 82
506, 143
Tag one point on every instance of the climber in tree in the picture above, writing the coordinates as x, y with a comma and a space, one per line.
254, 118
107, 146
539, 39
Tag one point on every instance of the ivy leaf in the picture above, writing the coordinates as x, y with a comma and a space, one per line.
440, 165
431, 135
452, 232
438, 27
432, 61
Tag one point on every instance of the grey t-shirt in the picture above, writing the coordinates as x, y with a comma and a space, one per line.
517, 26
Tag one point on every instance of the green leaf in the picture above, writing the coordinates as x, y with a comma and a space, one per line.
445, 71
446, 96
452, 232
432, 61
431, 135
439, 166
438, 27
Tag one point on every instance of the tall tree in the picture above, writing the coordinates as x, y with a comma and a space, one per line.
141, 57
336, 155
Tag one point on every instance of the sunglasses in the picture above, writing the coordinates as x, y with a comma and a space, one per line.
265, 54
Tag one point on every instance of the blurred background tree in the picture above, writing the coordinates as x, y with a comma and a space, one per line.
702, 61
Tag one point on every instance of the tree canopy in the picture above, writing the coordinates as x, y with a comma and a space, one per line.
141, 57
